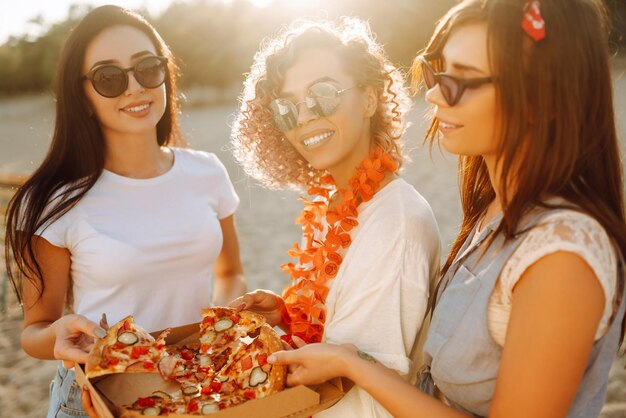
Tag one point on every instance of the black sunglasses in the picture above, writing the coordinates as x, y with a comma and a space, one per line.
111, 80
452, 88
323, 100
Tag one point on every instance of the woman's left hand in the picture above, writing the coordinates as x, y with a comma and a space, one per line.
314, 363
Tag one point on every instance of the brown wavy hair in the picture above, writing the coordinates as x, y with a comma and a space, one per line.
256, 142
563, 85
75, 158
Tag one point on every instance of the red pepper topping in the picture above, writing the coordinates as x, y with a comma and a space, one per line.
187, 355
139, 351
261, 359
246, 363
146, 402
192, 406
250, 394
235, 318
148, 365
113, 361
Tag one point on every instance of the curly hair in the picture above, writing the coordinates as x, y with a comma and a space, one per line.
262, 149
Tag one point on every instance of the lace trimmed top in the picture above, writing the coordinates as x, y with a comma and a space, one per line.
565, 230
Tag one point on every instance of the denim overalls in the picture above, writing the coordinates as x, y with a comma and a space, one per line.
65, 395
461, 359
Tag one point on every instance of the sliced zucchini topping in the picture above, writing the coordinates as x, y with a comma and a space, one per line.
153, 411
190, 390
127, 338
223, 324
161, 394
209, 408
257, 376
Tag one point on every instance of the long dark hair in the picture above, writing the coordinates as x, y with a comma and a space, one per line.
563, 85
75, 158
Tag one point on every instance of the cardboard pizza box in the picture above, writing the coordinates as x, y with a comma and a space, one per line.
109, 392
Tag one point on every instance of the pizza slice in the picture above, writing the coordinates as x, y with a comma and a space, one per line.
185, 364
221, 330
249, 374
127, 348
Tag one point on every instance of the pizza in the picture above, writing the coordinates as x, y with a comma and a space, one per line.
249, 372
127, 348
226, 367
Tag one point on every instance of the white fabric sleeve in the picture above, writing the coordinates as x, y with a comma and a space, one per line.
55, 232
572, 232
228, 198
383, 292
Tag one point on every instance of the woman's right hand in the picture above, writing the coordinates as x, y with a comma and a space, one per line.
263, 302
74, 337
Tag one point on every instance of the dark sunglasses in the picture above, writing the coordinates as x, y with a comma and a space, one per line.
452, 88
111, 80
323, 99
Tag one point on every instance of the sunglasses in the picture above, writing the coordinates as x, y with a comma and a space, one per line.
322, 99
111, 81
452, 88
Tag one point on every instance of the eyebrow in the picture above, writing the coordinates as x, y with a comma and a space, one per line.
132, 57
318, 80
466, 67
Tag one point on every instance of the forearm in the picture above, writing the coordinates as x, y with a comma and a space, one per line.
400, 398
38, 340
228, 287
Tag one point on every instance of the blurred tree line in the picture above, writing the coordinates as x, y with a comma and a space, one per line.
214, 40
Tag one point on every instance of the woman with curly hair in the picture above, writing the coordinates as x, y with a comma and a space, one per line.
323, 108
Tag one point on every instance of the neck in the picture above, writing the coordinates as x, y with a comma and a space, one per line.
137, 156
346, 169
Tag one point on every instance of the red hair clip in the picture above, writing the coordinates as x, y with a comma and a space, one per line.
532, 22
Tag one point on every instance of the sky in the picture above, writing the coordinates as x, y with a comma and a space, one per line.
15, 14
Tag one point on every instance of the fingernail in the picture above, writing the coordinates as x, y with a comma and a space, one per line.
100, 333
271, 359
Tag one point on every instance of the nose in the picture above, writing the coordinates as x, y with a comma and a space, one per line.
133, 84
435, 98
305, 115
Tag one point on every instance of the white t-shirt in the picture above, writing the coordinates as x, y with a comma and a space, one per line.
378, 299
146, 246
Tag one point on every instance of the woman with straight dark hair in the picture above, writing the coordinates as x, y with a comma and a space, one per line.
116, 220
529, 313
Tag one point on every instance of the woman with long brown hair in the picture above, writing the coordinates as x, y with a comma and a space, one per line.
116, 216
529, 313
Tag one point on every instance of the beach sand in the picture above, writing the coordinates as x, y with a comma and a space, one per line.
264, 221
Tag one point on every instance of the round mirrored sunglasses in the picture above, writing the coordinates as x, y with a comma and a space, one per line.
322, 99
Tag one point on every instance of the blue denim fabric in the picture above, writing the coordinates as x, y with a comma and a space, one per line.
65, 395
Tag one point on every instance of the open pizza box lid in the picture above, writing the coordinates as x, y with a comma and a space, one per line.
109, 392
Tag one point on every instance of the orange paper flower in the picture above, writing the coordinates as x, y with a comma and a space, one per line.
318, 262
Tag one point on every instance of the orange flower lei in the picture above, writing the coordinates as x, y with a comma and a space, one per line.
318, 262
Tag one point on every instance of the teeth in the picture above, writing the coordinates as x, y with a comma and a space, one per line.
445, 125
317, 139
137, 108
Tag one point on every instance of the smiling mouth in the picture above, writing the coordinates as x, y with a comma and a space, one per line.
136, 109
309, 142
445, 125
